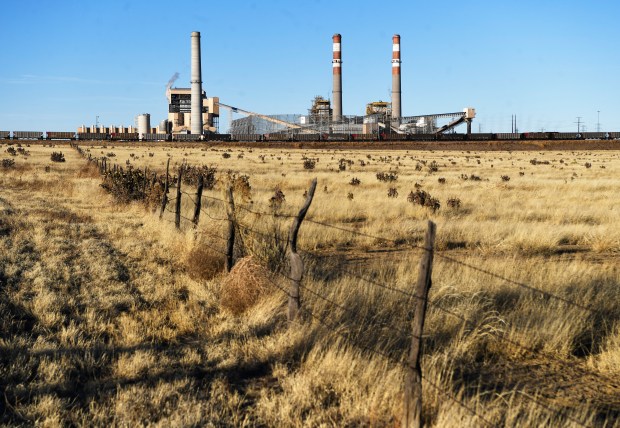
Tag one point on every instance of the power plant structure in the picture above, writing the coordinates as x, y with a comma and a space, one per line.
194, 116
189, 109
326, 116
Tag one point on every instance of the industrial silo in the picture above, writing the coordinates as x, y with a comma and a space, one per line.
144, 125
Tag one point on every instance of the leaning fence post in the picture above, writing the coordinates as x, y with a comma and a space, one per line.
297, 265
198, 201
164, 199
412, 417
230, 245
177, 211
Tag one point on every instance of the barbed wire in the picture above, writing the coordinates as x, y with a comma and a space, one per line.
519, 284
213, 235
211, 217
338, 305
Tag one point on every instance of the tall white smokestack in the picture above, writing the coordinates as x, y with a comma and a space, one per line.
337, 76
396, 112
196, 101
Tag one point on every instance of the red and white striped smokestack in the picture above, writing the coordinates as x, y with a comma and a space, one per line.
337, 74
396, 112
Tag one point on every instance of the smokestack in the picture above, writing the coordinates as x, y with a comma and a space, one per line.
396, 112
196, 97
337, 72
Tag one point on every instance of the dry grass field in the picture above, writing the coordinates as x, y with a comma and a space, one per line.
110, 316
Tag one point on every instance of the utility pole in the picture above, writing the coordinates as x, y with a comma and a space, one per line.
598, 121
578, 124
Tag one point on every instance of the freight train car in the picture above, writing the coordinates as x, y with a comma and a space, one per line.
5, 135
185, 137
98, 136
62, 135
27, 135
124, 136
155, 137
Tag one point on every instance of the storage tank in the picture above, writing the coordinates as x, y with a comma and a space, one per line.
144, 124
163, 126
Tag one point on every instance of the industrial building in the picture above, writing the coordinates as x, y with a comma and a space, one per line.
180, 112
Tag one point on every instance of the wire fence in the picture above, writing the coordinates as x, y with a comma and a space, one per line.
309, 288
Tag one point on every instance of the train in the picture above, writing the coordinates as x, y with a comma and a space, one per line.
305, 137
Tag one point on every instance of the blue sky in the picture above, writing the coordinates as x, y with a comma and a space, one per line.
547, 61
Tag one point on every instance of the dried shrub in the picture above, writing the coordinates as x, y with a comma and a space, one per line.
505, 178
433, 167
441, 180
355, 181
244, 286
387, 177
191, 175
588, 165
23, 151
112, 154
202, 263
241, 185
57, 157
453, 203
127, 185
350, 196
422, 198
537, 162
11, 151
309, 163
277, 200
472, 177
392, 192
226, 155
8, 163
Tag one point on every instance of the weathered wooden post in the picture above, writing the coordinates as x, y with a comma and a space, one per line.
198, 203
230, 244
412, 415
177, 211
297, 264
164, 199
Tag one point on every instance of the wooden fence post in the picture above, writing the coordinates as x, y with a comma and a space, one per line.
230, 245
412, 415
177, 211
164, 199
198, 201
297, 264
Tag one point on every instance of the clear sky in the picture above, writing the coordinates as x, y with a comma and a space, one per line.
547, 61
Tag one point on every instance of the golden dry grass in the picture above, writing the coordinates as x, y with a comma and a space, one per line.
111, 317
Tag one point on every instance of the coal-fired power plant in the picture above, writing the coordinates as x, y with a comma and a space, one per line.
337, 74
396, 112
196, 85
192, 116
